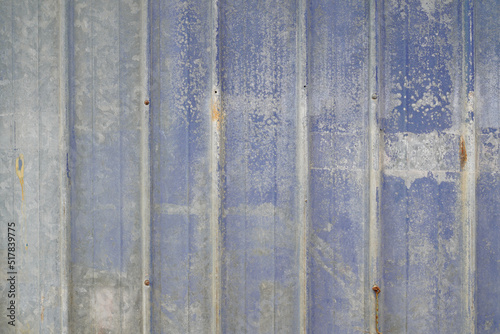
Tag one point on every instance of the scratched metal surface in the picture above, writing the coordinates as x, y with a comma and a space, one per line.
290, 155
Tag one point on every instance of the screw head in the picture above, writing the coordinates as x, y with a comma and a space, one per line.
146, 282
374, 96
376, 289
146, 102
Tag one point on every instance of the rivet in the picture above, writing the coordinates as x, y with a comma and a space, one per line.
146, 102
146, 282
374, 96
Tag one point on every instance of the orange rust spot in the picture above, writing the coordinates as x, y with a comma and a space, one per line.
216, 115
463, 153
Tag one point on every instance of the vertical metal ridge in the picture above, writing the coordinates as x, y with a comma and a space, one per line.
373, 255
120, 187
93, 292
39, 292
216, 167
145, 204
302, 159
64, 193
469, 161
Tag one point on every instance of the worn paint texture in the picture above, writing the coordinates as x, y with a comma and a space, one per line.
251, 166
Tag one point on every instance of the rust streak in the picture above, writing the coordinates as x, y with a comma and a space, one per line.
377, 291
20, 172
463, 153
216, 114
43, 309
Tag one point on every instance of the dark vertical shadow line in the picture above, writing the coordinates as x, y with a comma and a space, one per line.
39, 110
65, 61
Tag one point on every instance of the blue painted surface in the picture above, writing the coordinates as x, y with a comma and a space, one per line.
338, 109
260, 228
398, 132
487, 89
421, 243
422, 247
180, 178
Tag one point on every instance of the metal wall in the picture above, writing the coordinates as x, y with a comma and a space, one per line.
250, 166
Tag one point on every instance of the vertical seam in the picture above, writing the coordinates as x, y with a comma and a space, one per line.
120, 132
40, 294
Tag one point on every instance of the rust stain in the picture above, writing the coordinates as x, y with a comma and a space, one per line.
20, 172
216, 114
463, 153
43, 309
216, 111
377, 291
20, 175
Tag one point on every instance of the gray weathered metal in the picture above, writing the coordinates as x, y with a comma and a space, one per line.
250, 166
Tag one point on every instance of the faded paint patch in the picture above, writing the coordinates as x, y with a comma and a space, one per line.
434, 151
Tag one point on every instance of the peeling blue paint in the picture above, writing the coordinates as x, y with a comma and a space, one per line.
290, 156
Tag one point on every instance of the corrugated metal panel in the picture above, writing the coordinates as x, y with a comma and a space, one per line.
250, 166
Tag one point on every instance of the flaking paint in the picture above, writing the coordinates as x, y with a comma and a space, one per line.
273, 191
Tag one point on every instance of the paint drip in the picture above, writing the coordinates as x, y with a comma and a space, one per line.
20, 175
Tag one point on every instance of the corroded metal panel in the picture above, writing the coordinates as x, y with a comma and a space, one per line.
423, 254
180, 171
33, 282
338, 97
260, 224
213, 166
